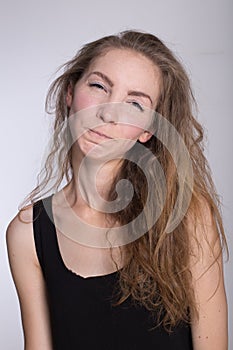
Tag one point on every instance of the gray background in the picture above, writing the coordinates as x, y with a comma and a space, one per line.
37, 37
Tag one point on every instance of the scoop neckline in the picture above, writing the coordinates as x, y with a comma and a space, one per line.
111, 274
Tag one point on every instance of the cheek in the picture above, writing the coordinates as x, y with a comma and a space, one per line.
81, 101
130, 131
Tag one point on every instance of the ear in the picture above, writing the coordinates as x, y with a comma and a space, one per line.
145, 136
69, 96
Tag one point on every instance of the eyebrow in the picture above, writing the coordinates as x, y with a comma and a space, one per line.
110, 83
139, 93
103, 76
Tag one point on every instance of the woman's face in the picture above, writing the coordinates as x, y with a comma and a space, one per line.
114, 100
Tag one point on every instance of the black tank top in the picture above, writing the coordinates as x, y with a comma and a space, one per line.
81, 312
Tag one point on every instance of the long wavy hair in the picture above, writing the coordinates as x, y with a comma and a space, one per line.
157, 271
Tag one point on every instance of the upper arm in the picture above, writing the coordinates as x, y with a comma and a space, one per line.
210, 331
29, 282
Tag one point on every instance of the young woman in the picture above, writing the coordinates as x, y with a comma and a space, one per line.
128, 253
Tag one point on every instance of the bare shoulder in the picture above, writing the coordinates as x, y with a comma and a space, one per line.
203, 226
19, 236
209, 330
29, 280
207, 239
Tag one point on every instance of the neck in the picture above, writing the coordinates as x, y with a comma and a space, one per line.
92, 180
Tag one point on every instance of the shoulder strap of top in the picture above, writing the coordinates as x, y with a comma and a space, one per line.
37, 212
44, 232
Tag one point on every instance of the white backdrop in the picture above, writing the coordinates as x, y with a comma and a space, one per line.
37, 37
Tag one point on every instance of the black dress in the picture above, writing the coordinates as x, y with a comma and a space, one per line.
81, 312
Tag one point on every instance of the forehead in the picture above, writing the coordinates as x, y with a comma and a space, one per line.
128, 66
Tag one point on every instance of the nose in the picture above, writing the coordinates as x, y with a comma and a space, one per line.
108, 113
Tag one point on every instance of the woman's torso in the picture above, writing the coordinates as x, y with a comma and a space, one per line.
81, 311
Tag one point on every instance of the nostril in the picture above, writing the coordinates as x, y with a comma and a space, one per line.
106, 117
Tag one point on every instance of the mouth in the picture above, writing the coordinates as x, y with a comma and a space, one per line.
100, 134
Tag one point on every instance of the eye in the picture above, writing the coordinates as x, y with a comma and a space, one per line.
97, 86
137, 105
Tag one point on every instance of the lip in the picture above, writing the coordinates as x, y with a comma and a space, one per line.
100, 134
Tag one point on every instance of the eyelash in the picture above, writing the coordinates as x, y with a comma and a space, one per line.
98, 86
101, 87
137, 105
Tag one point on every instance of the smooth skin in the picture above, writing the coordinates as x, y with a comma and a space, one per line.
127, 72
